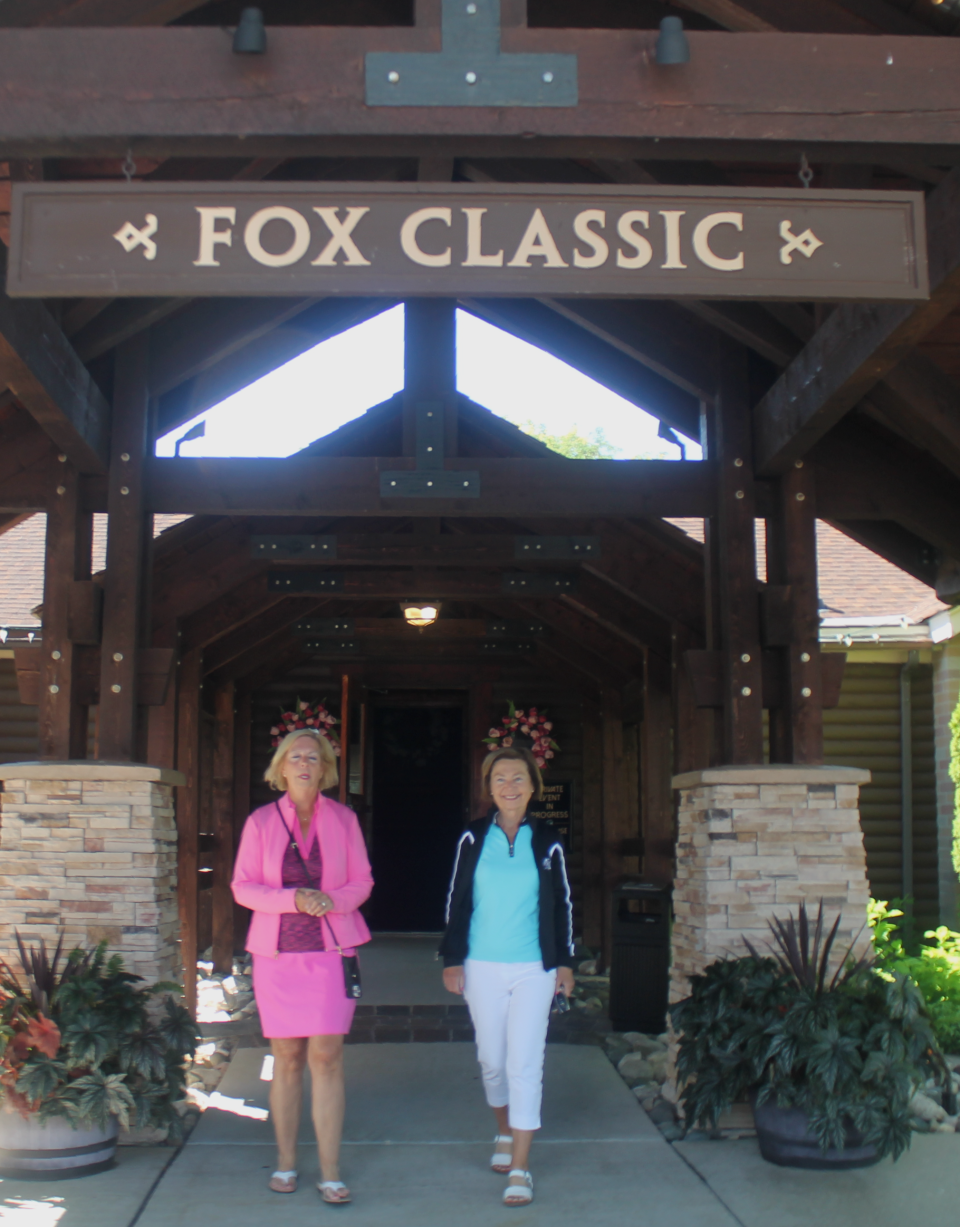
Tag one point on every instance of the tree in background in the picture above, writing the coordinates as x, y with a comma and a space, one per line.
574, 445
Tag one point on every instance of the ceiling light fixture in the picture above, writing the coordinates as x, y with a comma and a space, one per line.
672, 45
250, 37
420, 615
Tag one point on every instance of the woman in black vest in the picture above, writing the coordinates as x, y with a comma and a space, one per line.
508, 948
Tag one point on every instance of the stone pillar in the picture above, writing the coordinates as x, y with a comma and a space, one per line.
90, 848
755, 841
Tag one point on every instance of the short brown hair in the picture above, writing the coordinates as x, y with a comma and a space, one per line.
330, 775
520, 755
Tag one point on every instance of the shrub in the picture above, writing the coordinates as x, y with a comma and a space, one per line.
847, 1049
934, 968
86, 1040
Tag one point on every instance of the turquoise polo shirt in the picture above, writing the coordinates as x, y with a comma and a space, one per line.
505, 925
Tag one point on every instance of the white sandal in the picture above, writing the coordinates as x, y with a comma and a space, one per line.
333, 1186
285, 1178
499, 1163
519, 1194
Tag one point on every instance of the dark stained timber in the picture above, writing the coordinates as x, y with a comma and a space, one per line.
85, 91
465, 239
347, 485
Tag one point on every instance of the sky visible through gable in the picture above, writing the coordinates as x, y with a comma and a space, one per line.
341, 378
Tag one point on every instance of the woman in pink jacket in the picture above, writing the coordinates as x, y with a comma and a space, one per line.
302, 869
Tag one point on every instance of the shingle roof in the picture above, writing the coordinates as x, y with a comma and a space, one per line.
854, 582
21, 565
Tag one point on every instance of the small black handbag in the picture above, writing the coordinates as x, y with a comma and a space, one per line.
351, 963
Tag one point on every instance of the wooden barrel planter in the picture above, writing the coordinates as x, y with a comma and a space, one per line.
785, 1139
53, 1150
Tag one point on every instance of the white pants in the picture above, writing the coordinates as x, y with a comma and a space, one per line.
510, 1007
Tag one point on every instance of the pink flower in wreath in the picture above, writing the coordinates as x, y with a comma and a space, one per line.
494, 733
507, 741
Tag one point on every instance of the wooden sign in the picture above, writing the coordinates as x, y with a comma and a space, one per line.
72, 240
556, 805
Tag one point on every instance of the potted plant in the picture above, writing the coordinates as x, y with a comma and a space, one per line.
85, 1047
830, 1061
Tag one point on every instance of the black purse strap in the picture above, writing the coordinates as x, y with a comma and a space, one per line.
306, 873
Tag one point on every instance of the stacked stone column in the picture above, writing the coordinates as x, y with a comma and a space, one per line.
90, 849
753, 842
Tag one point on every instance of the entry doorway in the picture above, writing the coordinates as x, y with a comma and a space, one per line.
418, 802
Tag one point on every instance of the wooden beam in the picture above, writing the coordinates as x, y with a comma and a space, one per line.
607, 363
430, 367
739, 609
264, 626
39, 365
210, 331
344, 736
821, 16
762, 87
659, 335
125, 550
62, 718
619, 835
656, 791
262, 353
228, 611
591, 833
796, 731
857, 346
922, 402
242, 751
188, 818
867, 473
350, 486
95, 12
480, 720
119, 321
223, 764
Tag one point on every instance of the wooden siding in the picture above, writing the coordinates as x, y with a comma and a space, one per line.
864, 731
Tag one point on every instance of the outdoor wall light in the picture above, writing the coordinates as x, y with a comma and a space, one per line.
250, 37
195, 432
420, 615
672, 45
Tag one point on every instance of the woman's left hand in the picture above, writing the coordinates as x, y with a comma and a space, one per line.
565, 981
314, 902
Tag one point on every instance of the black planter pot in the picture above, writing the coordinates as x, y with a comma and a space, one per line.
785, 1139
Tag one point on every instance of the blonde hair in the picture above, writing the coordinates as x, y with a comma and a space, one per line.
330, 777
515, 752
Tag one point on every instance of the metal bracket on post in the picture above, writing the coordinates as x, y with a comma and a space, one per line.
470, 70
429, 479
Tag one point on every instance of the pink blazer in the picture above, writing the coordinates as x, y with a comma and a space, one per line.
258, 874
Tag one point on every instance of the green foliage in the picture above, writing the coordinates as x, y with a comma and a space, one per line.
955, 776
87, 1040
573, 444
847, 1049
934, 968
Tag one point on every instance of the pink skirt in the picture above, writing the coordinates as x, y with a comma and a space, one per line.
300, 995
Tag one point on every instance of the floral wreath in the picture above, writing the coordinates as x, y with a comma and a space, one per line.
532, 724
306, 716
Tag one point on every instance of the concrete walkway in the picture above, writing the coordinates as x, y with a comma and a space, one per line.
417, 1143
416, 1149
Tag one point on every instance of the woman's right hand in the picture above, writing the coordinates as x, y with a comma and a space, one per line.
453, 980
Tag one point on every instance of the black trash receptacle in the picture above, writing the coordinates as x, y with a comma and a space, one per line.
640, 957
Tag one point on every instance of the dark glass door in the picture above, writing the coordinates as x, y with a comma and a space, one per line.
417, 814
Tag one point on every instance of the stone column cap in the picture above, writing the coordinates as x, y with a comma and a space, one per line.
772, 773
90, 769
